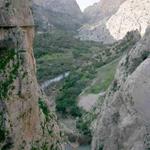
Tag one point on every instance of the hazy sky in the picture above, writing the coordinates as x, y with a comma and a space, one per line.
84, 3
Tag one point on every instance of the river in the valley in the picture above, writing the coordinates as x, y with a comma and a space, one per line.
54, 80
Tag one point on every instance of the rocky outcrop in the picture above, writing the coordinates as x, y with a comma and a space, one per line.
26, 121
123, 123
96, 17
101, 10
132, 15
116, 19
64, 14
96, 32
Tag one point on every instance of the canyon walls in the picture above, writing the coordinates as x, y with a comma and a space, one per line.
26, 121
123, 122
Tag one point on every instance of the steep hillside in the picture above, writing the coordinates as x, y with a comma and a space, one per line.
63, 14
123, 121
100, 10
26, 121
116, 20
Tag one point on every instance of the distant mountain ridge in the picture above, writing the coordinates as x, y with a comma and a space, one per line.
63, 14
109, 21
102, 9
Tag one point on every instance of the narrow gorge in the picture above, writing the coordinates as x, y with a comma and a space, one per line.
72, 79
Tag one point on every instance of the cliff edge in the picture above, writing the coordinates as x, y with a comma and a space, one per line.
26, 121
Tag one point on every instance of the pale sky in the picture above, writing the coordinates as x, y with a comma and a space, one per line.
85, 3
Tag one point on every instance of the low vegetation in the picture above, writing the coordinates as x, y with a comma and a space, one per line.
48, 126
103, 78
58, 52
83, 123
7, 57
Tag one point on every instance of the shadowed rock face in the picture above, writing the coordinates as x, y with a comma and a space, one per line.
101, 10
63, 6
123, 123
25, 118
63, 14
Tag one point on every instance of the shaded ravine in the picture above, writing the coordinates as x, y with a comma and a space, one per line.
54, 80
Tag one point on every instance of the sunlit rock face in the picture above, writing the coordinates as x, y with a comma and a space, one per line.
96, 17
124, 123
23, 123
132, 15
115, 19
13, 13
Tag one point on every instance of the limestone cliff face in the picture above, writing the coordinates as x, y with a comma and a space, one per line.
96, 17
132, 15
116, 18
96, 32
124, 123
15, 13
102, 9
25, 119
64, 14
